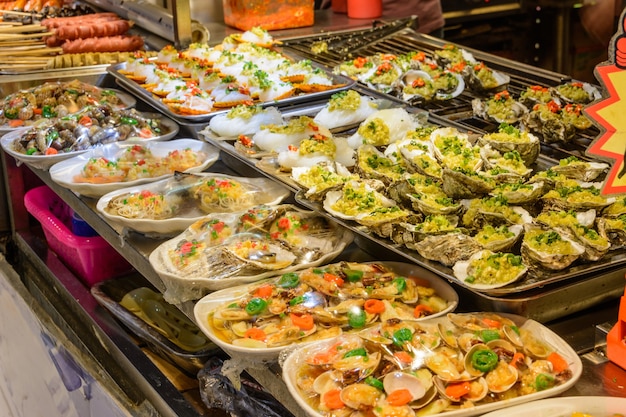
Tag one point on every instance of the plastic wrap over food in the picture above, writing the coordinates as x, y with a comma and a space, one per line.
227, 249
249, 399
169, 206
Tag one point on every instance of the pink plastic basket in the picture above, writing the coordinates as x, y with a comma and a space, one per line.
93, 259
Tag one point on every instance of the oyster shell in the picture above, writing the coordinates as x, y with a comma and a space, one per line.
493, 210
504, 167
509, 138
548, 249
535, 94
447, 249
381, 221
383, 127
614, 230
482, 79
489, 270
454, 149
545, 120
501, 108
416, 86
356, 198
373, 164
318, 180
576, 196
577, 169
423, 194
576, 92
519, 193
499, 238
616, 209
460, 183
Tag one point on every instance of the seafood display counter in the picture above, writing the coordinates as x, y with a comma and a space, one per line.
573, 310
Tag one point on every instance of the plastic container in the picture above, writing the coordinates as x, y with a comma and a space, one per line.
269, 15
93, 259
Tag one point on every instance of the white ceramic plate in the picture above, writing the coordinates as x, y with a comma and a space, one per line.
195, 282
64, 172
565, 406
46, 161
296, 358
212, 301
266, 190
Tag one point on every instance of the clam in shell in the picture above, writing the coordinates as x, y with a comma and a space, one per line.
488, 270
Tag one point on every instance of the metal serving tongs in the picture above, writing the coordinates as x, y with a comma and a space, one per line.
346, 43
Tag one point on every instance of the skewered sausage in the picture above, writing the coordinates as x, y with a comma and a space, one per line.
55, 22
92, 30
103, 44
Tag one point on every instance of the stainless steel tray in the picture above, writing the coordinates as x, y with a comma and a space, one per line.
341, 82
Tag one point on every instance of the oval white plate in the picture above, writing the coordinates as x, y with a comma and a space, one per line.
274, 194
210, 302
64, 172
46, 161
295, 359
565, 406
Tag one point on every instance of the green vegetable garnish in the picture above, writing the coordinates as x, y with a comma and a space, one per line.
256, 306
484, 360
289, 280
356, 318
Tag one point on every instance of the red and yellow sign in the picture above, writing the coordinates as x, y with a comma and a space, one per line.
610, 114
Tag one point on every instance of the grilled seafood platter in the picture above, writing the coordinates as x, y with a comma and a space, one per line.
169, 206
203, 80
318, 303
56, 99
222, 250
455, 365
109, 167
51, 140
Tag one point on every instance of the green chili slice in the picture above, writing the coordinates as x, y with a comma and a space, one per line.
402, 335
356, 318
487, 335
255, 306
355, 352
544, 381
375, 382
400, 284
353, 276
296, 300
484, 360
289, 280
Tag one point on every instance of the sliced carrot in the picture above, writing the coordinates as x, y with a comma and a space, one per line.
303, 321
51, 151
422, 310
492, 323
373, 306
264, 291
332, 399
255, 333
85, 121
333, 278
559, 364
16, 123
37, 110
458, 389
403, 357
518, 358
399, 397
145, 133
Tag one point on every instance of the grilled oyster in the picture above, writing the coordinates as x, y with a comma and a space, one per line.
504, 167
519, 193
572, 195
454, 149
615, 209
545, 120
382, 220
488, 270
451, 55
577, 169
416, 86
383, 127
535, 94
509, 138
482, 79
462, 183
373, 164
418, 153
423, 194
576, 92
548, 249
492, 210
356, 198
614, 230
319, 179
437, 224
501, 108
499, 238
448, 248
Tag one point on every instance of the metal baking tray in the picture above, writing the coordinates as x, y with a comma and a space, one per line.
342, 83
109, 293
